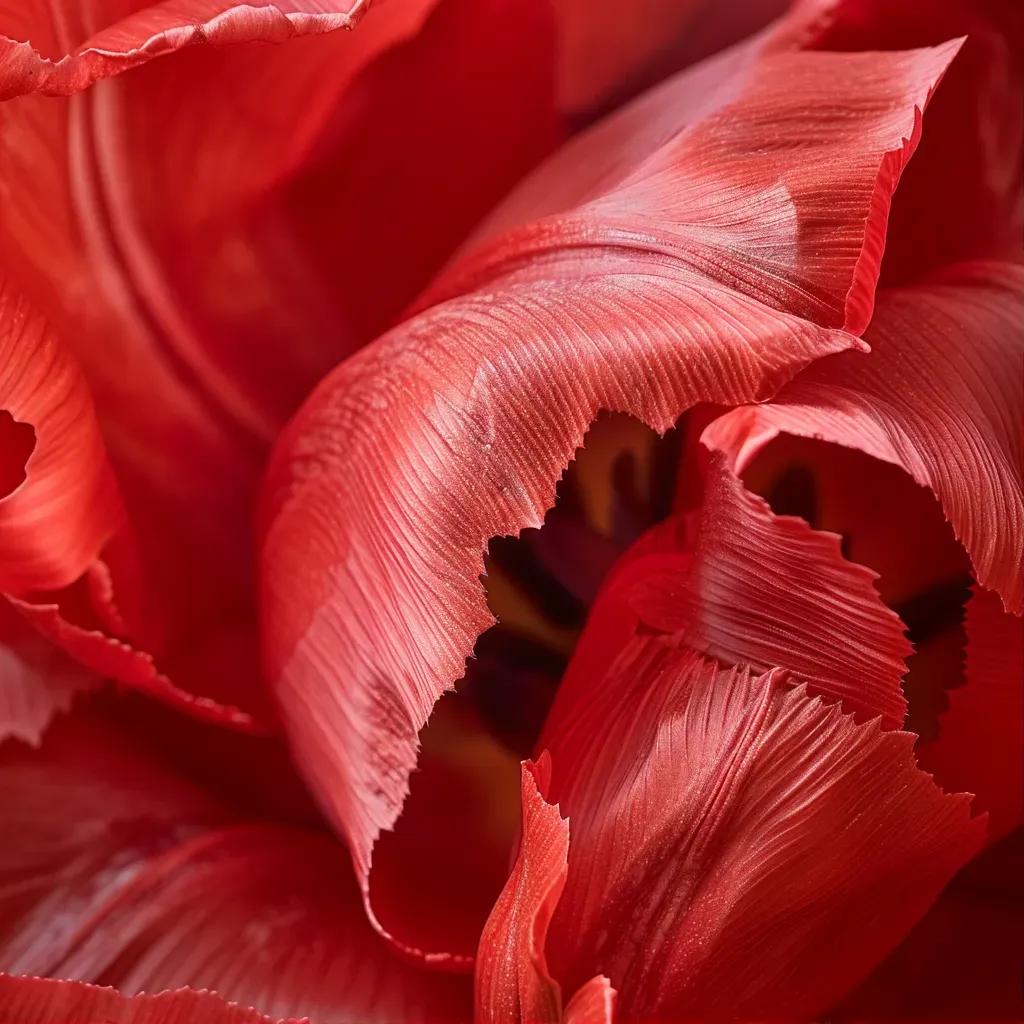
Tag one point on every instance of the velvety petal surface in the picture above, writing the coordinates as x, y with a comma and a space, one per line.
453, 428
941, 394
722, 830
45, 1001
981, 737
120, 874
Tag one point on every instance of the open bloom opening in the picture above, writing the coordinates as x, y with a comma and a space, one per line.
511, 511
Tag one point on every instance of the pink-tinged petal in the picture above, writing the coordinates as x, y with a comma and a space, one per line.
36, 680
941, 394
61, 504
454, 428
739, 584
118, 873
45, 1001
512, 979
594, 1003
730, 836
971, 159
981, 737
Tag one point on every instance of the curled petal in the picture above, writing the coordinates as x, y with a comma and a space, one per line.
981, 736
56, 519
723, 827
455, 427
594, 1003
512, 980
737, 583
941, 394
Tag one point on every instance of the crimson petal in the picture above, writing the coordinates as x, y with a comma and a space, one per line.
454, 428
118, 873
45, 1001
941, 394
738, 848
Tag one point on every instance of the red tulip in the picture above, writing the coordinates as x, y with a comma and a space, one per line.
297, 342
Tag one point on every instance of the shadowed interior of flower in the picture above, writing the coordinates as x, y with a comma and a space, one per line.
17, 442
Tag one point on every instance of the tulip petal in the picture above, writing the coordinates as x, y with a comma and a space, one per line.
941, 394
386, 488
45, 1001
56, 520
36, 681
594, 1003
730, 835
739, 584
981, 736
512, 980
118, 873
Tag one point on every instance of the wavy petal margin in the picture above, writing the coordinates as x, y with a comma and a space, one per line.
454, 428
730, 836
45, 1001
941, 394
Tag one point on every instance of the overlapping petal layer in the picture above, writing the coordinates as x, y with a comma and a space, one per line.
723, 826
118, 873
44, 1001
712, 271
941, 394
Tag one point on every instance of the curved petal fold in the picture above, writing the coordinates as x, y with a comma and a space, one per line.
941, 394
118, 873
46, 1001
724, 826
56, 519
981, 737
737, 583
453, 428
512, 979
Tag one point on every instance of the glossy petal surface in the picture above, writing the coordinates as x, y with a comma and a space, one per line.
723, 826
941, 394
453, 428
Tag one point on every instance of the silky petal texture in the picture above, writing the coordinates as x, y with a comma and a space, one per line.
511, 979
36, 680
981, 737
941, 394
55, 522
120, 874
455, 427
723, 827
44, 1001
739, 584
594, 1003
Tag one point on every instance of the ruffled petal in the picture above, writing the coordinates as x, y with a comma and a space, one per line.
512, 979
941, 394
61, 505
118, 873
36, 680
738, 848
455, 427
981, 736
45, 1001
739, 584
